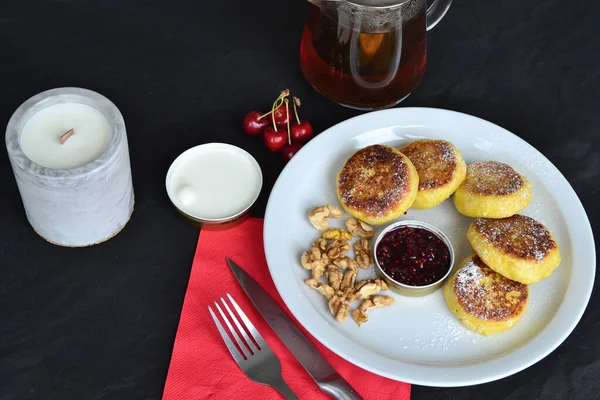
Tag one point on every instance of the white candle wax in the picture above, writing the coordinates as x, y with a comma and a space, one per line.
40, 140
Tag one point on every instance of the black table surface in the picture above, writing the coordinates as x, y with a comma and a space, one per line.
99, 322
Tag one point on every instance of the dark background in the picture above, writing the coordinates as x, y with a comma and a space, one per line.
99, 323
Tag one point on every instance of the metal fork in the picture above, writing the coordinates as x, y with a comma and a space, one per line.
258, 363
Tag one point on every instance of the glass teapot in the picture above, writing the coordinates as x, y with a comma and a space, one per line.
367, 54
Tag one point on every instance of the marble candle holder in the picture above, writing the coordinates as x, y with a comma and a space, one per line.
80, 206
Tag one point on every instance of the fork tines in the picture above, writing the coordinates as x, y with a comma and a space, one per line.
245, 347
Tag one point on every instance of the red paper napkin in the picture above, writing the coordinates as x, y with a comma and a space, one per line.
201, 366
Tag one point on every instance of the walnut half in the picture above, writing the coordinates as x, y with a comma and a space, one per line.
346, 263
360, 314
367, 288
318, 269
324, 289
349, 294
314, 262
306, 260
359, 228
348, 280
316, 258
337, 249
363, 253
339, 308
334, 276
318, 216
336, 233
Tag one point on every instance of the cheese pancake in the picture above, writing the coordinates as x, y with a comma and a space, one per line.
441, 170
492, 189
519, 247
483, 300
377, 184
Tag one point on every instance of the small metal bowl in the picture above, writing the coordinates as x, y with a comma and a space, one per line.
228, 221
407, 290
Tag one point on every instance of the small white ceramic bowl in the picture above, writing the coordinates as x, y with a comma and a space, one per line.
214, 185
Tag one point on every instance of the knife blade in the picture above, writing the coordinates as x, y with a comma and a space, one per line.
298, 344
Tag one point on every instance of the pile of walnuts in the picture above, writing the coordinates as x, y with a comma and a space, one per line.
328, 258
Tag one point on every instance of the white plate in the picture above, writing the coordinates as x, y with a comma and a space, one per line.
418, 340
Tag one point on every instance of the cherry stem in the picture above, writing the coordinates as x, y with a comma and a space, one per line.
275, 106
287, 111
297, 103
284, 93
262, 116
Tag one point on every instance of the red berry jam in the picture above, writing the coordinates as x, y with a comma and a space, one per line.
413, 256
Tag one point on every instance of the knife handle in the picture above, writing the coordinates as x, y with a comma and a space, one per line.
338, 388
285, 390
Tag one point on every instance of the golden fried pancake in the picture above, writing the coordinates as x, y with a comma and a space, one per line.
492, 190
441, 170
377, 184
518, 247
483, 300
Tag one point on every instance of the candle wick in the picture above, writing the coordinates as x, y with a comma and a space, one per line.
63, 138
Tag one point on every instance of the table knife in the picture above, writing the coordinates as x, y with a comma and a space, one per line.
328, 380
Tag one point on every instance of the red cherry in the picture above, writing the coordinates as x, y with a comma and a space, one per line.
281, 116
252, 125
274, 140
289, 150
302, 132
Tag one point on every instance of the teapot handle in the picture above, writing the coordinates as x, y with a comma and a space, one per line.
436, 12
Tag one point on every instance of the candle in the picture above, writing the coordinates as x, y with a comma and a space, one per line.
70, 157
90, 134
